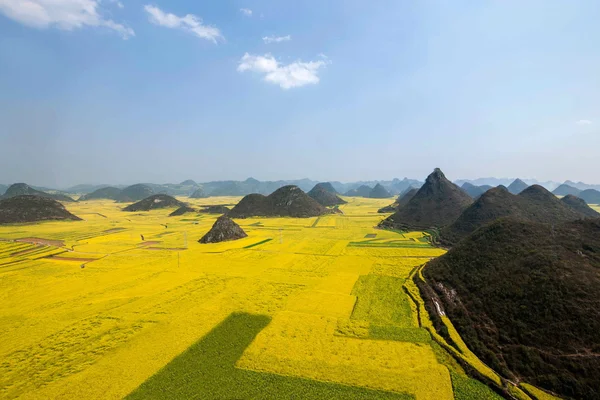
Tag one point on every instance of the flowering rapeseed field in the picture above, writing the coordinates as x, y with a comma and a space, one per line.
130, 304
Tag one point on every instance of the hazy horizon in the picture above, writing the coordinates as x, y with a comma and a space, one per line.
135, 91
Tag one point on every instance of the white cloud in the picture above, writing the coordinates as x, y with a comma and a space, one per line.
584, 122
62, 14
276, 39
190, 23
246, 11
287, 76
117, 3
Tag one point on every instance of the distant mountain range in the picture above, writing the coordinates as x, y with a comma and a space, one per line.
239, 188
251, 185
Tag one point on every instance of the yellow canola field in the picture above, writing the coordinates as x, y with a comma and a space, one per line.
118, 295
305, 345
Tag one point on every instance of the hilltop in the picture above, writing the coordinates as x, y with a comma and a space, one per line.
111, 193
22, 189
437, 203
182, 210
533, 204
361, 191
517, 186
325, 194
288, 201
30, 208
525, 297
580, 206
224, 229
591, 196
133, 193
156, 201
379, 192
564, 190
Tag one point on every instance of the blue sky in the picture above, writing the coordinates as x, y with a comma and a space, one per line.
168, 90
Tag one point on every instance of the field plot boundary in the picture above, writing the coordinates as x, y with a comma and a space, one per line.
207, 370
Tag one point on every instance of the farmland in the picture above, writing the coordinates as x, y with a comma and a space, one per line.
130, 304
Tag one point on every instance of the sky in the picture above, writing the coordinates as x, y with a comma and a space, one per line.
126, 91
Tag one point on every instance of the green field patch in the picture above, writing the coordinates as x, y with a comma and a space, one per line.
466, 388
258, 243
391, 332
370, 235
206, 370
536, 393
400, 244
381, 300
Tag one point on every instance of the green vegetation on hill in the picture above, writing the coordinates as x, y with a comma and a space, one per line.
22, 189
325, 194
198, 194
533, 204
564, 190
361, 191
379, 192
517, 186
111, 193
207, 371
288, 201
21, 209
154, 202
580, 206
525, 297
591, 196
437, 203
133, 193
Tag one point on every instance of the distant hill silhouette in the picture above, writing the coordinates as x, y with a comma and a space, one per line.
591, 196
31, 208
22, 189
229, 189
517, 186
437, 203
198, 194
525, 297
182, 210
156, 201
84, 188
325, 194
564, 190
3, 189
533, 204
189, 182
224, 229
361, 191
401, 186
379, 192
472, 190
111, 193
216, 209
133, 193
288, 201
580, 206
582, 186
